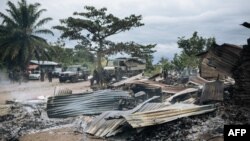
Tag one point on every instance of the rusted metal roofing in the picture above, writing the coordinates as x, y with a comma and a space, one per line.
166, 114
85, 103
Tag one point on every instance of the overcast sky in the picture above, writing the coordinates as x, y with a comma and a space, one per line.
165, 20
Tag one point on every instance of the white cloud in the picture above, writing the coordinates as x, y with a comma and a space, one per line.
166, 50
165, 20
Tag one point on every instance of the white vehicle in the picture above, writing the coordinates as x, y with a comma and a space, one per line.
74, 73
35, 75
56, 72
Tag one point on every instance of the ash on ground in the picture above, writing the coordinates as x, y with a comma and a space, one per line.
202, 128
27, 118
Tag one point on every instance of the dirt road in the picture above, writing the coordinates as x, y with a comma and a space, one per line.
34, 89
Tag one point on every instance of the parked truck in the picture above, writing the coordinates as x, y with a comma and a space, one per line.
128, 67
74, 73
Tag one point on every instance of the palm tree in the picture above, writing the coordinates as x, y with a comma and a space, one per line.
19, 40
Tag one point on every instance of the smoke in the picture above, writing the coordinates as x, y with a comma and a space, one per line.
15, 91
4, 78
33, 90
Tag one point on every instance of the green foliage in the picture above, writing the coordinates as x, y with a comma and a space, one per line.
189, 60
93, 26
191, 47
69, 56
19, 40
83, 55
178, 63
97, 25
145, 52
166, 64
138, 50
62, 55
155, 70
210, 42
135, 50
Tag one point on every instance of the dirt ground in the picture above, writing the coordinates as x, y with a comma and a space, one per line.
36, 89
62, 134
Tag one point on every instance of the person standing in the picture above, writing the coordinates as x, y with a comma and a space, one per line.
117, 74
50, 76
19, 76
42, 75
95, 78
11, 76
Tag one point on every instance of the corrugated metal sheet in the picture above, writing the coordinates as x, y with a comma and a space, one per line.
181, 95
212, 91
224, 58
131, 79
170, 89
152, 106
198, 80
101, 127
166, 114
209, 72
85, 103
110, 123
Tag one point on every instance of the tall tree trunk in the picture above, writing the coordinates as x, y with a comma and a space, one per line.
99, 56
99, 61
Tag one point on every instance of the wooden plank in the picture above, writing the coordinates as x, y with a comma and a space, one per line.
212, 91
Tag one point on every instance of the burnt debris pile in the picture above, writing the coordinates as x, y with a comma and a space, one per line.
18, 119
185, 106
241, 75
203, 127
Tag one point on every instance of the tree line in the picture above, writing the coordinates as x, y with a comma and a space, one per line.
22, 25
190, 48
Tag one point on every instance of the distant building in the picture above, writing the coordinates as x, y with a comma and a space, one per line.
43, 65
